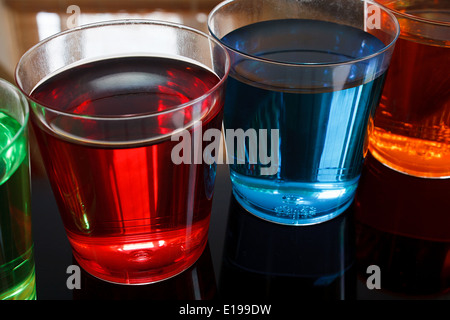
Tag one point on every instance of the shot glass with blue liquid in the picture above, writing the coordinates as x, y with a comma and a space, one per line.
305, 80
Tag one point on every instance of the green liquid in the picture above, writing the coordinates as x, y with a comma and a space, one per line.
16, 244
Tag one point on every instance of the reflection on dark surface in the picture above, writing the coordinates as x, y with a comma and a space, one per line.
264, 260
196, 283
403, 226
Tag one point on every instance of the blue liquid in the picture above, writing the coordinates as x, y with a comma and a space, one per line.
322, 120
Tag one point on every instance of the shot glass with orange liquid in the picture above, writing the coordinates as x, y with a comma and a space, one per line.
402, 204
411, 131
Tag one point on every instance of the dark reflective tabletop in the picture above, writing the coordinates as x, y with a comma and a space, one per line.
250, 259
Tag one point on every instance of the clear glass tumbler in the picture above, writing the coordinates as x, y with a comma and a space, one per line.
114, 104
412, 124
17, 271
305, 79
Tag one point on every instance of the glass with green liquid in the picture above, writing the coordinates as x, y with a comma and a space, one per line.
17, 276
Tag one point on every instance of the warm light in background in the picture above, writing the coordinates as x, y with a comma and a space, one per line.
23, 23
49, 23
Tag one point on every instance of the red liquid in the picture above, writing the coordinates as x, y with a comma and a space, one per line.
131, 214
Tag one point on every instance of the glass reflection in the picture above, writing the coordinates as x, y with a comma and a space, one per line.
264, 260
196, 283
402, 226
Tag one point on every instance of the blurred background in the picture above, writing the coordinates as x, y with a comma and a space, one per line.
23, 23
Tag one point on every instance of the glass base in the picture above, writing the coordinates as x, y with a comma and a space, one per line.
141, 258
293, 203
26, 290
145, 275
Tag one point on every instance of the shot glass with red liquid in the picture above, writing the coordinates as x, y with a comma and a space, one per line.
106, 100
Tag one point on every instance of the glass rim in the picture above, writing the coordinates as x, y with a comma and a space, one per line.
414, 17
308, 64
129, 22
23, 103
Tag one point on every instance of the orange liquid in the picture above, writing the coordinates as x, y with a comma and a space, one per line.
411, 130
